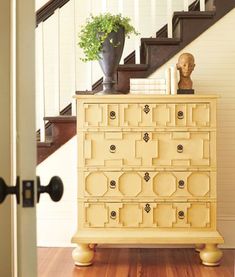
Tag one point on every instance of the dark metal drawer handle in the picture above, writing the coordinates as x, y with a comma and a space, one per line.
181, 215
112, 148
113, 215
147, 208
181, 184
180, 148
180, 115
146, 109
146, 137
146, 176
112, 115
112, 184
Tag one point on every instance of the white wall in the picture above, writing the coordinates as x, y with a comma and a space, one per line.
56, 221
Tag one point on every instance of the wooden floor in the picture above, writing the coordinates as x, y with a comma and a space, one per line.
124, 262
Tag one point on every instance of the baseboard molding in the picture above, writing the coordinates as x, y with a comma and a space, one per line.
226, 227
225, 217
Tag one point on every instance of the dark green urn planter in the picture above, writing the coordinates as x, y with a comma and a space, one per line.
110, 54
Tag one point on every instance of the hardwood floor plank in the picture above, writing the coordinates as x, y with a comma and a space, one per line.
133, 262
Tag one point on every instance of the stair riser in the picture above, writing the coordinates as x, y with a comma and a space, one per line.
61, 133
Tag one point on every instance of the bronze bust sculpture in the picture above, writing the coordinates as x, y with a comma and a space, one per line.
185, 66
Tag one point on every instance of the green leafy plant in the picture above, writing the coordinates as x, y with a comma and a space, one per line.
96, 30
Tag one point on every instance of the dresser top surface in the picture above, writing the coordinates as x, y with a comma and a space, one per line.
153, 97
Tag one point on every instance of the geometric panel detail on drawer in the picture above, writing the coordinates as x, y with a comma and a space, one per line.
164, 184
96, 214
130, 184
148, 215
147, 149
147, 115
198, 183
130, 215
182, 149
199, 114
93, 114
165, 215
111, 149
183, 215
199, 215
110, 185
96, 184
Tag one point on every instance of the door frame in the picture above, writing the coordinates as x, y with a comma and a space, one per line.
6, 208
18, 254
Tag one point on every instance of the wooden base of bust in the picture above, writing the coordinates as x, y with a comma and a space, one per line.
211, 255
83, 255
185, 91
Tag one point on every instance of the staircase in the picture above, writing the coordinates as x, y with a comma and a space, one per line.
154, 52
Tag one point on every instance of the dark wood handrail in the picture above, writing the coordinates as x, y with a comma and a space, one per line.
48, 9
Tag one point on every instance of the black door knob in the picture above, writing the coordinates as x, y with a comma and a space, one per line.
55, 188
6, 190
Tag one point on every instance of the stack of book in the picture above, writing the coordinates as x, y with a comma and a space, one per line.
148, 86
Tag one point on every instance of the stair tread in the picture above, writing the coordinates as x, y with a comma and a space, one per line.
61, 118
47, 143
160, 41
193, 14
133, 67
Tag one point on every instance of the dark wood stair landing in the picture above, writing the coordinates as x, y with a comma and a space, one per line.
62, 128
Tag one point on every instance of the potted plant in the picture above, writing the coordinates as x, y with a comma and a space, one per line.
102, 38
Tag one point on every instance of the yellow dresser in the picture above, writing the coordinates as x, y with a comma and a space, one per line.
147, 173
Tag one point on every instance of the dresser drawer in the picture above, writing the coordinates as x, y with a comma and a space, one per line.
146, 115
153, 149
147, 215
113, 185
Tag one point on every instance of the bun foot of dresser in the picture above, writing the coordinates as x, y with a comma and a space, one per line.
211, 255
199, 247
83, 255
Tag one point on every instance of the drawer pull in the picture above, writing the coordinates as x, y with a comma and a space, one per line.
112, 148
147, 208
146, 109
180, 114
113, 215
146, 137
112, 184
146, 176
180, 148
181, 184
112, 115
181, 215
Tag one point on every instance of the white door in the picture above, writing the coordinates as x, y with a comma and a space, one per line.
17, 141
